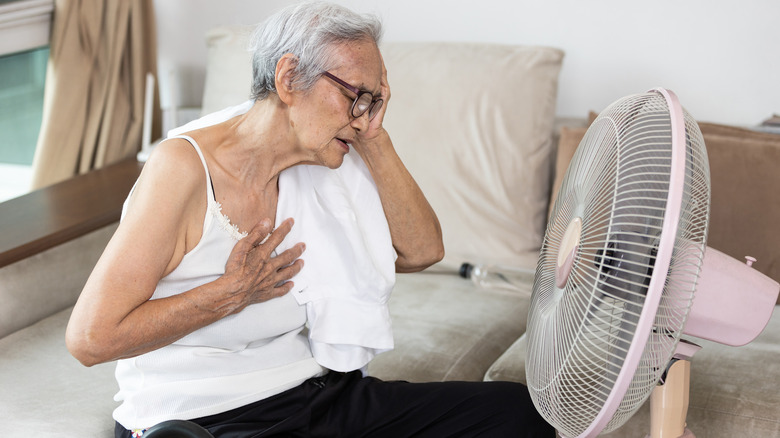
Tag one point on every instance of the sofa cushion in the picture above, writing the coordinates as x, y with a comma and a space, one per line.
745, 177
446, 329
46, 391
733, 390
473, 124
59, 275
450, 331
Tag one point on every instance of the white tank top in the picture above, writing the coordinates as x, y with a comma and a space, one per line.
254, 354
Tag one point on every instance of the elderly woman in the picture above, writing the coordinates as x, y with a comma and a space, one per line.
198, 294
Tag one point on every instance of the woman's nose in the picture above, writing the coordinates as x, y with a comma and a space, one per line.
361, 123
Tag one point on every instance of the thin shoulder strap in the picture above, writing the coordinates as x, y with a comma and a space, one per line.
195, 145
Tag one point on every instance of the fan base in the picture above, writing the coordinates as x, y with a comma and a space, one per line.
686, 434
669, 403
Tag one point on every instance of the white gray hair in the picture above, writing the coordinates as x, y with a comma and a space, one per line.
310, 31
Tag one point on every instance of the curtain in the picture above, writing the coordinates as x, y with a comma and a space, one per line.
99, 56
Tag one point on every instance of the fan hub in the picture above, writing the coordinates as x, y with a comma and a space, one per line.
566, 251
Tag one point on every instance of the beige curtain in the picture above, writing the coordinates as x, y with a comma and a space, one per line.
100, 53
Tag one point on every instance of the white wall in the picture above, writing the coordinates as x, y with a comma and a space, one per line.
721, 57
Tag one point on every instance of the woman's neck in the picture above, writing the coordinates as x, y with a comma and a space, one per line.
255, 147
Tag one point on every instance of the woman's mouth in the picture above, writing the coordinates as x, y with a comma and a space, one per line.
343, 143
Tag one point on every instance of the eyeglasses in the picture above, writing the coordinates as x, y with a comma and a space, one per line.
363, 102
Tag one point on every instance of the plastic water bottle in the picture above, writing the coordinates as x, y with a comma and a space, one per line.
498, 277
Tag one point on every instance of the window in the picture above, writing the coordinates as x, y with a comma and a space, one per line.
24, 39
21, 107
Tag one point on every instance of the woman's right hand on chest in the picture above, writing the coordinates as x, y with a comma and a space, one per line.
253, 274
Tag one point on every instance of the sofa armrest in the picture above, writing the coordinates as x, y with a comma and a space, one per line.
48, 217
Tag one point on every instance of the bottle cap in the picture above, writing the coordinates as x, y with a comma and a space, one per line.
465, 270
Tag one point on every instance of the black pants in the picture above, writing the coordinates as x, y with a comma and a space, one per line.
348, 405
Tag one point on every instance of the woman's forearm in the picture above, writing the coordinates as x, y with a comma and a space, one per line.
94, 339
414, 227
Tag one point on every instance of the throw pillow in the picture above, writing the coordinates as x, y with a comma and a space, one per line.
473, 123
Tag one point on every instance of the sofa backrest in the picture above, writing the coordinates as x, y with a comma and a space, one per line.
472, 122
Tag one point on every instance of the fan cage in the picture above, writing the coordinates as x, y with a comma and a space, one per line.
579, 335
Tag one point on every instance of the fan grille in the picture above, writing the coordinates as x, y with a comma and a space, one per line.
579, 334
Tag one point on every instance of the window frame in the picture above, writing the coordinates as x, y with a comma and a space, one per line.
25, 25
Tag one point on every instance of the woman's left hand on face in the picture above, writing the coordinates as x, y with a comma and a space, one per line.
375, 128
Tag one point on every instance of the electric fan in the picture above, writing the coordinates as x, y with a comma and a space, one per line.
624, 271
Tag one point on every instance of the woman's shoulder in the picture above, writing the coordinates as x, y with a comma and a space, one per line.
178, 160
174, 175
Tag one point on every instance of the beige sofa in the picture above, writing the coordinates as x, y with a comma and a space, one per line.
475, 125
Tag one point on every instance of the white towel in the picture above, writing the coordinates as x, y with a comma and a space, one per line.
349, 262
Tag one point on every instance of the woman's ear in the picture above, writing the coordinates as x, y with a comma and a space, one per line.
285, 75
